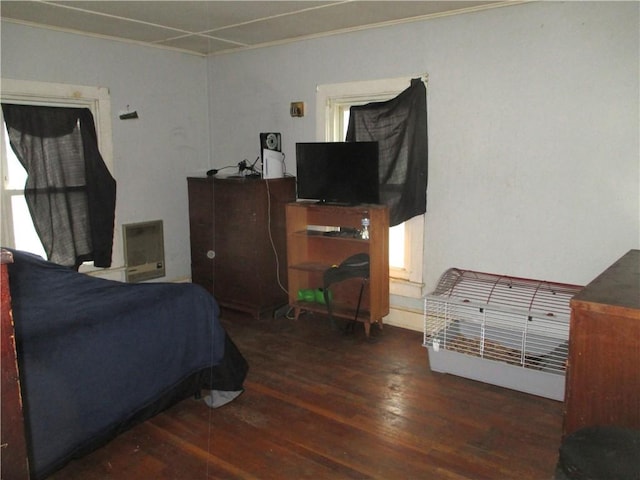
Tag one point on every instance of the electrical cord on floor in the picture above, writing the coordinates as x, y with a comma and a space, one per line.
290, 314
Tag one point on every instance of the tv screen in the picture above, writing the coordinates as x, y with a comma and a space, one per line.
338, 172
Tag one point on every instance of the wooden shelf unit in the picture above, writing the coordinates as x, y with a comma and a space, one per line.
310, 253
603, 379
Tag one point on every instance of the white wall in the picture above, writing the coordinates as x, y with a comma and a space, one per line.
533, 128
152, 155
533, 124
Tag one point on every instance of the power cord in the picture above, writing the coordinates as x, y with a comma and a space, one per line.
242, 166
273, 245
214, 171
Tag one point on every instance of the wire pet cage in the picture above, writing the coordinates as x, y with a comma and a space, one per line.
507, 331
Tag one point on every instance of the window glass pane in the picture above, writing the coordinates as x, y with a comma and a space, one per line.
345, 123
24, 232
16, 174
396, 246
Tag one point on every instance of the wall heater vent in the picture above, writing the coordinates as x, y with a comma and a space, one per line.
143, 251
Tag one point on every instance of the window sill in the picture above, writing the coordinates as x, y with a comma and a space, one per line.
405, 288
112, 273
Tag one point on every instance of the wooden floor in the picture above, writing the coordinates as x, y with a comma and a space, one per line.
320, 404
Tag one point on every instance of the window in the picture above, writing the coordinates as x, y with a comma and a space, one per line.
17, 228
405, 240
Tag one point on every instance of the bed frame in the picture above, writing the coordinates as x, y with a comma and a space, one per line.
26, 450
12, 437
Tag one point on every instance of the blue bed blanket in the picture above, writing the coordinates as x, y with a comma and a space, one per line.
96, 355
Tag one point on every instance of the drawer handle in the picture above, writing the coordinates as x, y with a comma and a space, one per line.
211, 254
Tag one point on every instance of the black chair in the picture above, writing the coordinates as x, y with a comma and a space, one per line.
356, 266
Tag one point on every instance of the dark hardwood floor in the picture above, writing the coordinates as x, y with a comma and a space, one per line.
320, 404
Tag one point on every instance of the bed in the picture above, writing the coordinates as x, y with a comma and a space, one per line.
98, 356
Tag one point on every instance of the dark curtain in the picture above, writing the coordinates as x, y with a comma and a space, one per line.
69, 191
399, 126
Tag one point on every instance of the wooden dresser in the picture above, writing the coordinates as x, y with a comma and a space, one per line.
603, 371
235, 225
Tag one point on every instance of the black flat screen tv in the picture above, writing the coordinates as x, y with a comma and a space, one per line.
343, 173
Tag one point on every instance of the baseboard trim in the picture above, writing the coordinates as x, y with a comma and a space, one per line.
405, 318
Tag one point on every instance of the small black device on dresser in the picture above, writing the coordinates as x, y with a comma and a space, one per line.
345, 232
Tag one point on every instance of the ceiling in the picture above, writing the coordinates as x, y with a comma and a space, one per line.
215, 27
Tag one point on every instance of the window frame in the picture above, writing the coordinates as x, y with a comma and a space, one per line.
96, 99
331, 102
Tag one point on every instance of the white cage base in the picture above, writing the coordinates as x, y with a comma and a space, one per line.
542, 384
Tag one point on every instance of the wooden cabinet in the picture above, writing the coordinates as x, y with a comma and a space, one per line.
201, 231
238, 240
603, 371
311, 251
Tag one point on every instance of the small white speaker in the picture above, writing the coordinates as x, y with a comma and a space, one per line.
272, 164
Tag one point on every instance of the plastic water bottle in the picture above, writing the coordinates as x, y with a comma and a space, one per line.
364, 233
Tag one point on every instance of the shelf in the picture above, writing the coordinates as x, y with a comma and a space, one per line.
311, 251
310, 267
337, 310
323, 235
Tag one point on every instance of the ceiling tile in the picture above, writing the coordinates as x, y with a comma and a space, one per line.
69, 19
198, 43
338, 17
193, 16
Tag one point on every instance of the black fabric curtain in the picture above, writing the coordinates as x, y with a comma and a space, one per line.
399, 126
69, 191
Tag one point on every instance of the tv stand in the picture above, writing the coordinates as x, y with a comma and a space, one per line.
310, 253
336, 204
